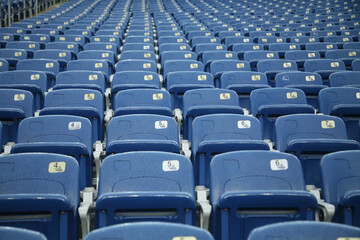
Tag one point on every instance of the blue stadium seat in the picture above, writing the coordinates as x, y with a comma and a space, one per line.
250, 189
241, 48
198, 102
15, 105
50, 67
253, 57
139, 55
316, 134
310, 230
140, 39
202, 47
343, 102
218, 133
321, 47
171, 39
304, 40
29, 46
173, 47
68, 135
79, 102
149, 231
346, 55
73, 47
130, 190
177, 83
16, 32
13, 56
218, 67
142, 132
324, 67
142, 101
203, 39
208, 56
91, 65
40, 192
300, 56
340, 175
103, 46
106, 39
5, 38
339, 40
310, 83
79, 39
108, 56
182, 65
176, 55
345, 78
20, 233
243, 83
62, 56
352, 45
136, 65
32, 81
268, 104
42, 39
282, 48
271, 67
138, 46
81, 79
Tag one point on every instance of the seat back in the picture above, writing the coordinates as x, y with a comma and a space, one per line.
176, 55
4, 65
345, 78
340, 175
136, 65
140, 55
143, 101
90, 64
79, 39
106, 39
241, 180
39, 208
81, 79
149, 231
102, 46
20, 233
70, 46
145, 132
182, 65
305, 229
138, 46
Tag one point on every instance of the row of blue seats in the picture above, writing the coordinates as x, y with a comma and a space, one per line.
248, 189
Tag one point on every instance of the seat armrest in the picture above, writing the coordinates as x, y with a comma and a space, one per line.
204, 205
88, 196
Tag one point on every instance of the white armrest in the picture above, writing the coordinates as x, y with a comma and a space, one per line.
8, 147
185, 148
326, 209
205, 207
88, 196
178, 116
108, 115
98, 155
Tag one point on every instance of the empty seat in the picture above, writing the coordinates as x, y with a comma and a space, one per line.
140, 55
253, 57
136, 65
303, 40
218, 67
171, 39
198, 102
324, 67
176, 55
255, 188
149, 231
343, 102
20, 233
106, 39
138, 46
142, 132
177, 83
310, 83
142, 101
79, 102
81, 79
5, 38
340, 175
243, 83
50, 67
182, 65
13, 56
91, 65
310, 230
40, 192
140, 39
273, 66
345, 78
209, 56
268, 104
241, 48
29, 46
346, 55
104, 46
352, 45
73, 47
62, 56
130, 190
64, 134
33, 81
321, 47
309, 137
339, 40
15, 105
282, 48
202, 47
79, 39
300, 56
218, 133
